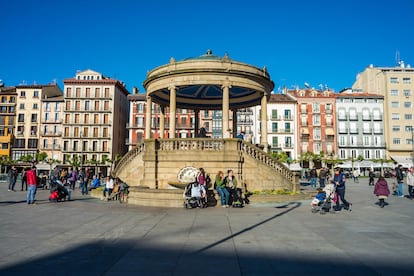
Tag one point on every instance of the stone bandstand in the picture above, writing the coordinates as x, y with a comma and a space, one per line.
208, 82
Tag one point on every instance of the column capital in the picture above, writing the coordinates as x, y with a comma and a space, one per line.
226, 84
172, 87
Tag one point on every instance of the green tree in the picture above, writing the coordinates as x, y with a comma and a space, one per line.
75, 161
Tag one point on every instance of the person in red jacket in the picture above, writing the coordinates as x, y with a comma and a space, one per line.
31, 185
381, 190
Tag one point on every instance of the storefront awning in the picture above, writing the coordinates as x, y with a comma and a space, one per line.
405, 161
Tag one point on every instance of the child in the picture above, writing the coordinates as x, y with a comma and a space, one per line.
394, 188
381, 190
320, 196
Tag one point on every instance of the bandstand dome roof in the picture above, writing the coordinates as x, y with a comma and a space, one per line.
198, 82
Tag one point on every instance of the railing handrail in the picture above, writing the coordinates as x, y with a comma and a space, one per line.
128, 157
267, 159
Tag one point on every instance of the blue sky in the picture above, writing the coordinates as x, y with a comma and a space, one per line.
318, 42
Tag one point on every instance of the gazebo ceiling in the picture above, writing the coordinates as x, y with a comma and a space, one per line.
207, 97
198, 83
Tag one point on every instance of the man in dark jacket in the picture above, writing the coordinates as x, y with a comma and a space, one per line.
12, 178
400, 180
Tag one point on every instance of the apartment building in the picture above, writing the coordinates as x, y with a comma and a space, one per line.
7, 118
396, 84
28, 112
282, 127
51, 122
360, 125
96, 111
316, 121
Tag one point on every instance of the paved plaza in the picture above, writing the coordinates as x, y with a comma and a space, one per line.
88, 236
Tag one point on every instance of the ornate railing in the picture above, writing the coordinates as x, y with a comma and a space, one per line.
128, 157
191, 144
265, 158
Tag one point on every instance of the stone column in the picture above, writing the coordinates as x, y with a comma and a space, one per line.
264, 122
148, 117
162, 121
173, 104
196, 122
234, 130
225, 109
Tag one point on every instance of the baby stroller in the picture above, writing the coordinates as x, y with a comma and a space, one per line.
194, 196
322, 202
59, 192
236, 198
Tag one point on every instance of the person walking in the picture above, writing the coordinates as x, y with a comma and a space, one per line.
12, 178
221, 189
410, 183
339, 181
356, 175
381, 190
371, 177
400, 180
31, 185
313, 177
24, 179
322, 177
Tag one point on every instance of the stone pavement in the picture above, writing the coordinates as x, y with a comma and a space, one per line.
88, 236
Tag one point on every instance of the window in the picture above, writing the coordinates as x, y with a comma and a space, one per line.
4, 145
316, 120
287, 127
140, 108
393, 80
274, 127
396, 141
275, 143
95, 132
107, 93
20, 118
395, 104
86, 119
408, 116
105, 132
68, 92
328, 107
367, 140
35, 94
21, 106
20, 130
96, 119
407, 92
316, 108
67, 119
406, 80
288, 115
96, 105
395, 116
316, 134
35, 106
88, 93
288, 142
342, 140
97, 92
78, 90
396, 128
32, 143
407, 104
394, 92
68, 105
408, 128
23, 94
106, 105
140, 121
87, 105
274, 113
183, 121
366, 154
106, 119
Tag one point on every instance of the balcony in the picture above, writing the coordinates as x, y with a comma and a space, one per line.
366, 117
342, 131
328, 111
288, 146
377, 117
353, 131
353, 117
378, 131
367, 131
50, 133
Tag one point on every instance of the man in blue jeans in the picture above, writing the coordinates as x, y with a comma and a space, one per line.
400, 180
